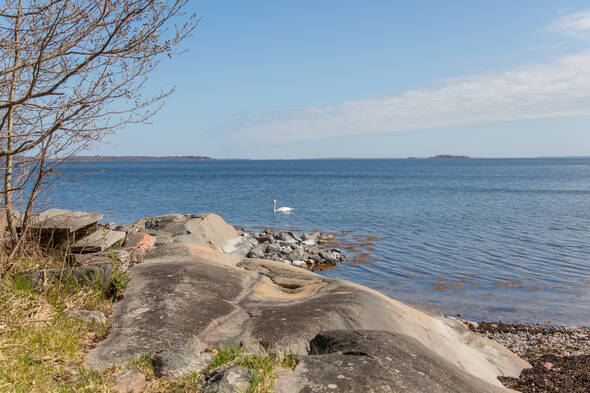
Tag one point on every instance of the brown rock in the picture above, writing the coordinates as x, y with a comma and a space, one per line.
128, 381
139, 240
471, 324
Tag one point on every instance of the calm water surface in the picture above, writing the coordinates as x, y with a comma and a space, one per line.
492, 239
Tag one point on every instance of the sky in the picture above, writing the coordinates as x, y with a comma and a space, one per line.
275, 79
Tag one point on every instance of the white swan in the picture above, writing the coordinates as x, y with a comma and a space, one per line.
280, 209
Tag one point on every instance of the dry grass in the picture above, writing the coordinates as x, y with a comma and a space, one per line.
264, 369
27, 259
27, 255
41, 348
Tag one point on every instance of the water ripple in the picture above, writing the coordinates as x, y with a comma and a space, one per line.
504, 238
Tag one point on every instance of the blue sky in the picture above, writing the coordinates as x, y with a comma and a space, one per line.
283, 79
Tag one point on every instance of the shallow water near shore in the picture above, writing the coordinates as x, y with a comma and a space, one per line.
493, 239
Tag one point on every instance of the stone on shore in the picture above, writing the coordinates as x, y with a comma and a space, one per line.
296, 254
256, 252
139, 241
227, 379
128, 381
287, 247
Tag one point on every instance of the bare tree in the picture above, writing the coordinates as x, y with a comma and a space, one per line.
72, 72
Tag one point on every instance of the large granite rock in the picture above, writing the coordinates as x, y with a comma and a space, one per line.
376, 361
187, 298
166, 308
206, 229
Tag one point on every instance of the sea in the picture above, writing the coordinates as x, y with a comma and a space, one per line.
482, 239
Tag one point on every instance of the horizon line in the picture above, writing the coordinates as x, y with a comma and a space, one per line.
98, 158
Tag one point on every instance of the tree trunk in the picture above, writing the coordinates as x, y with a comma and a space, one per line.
10, 224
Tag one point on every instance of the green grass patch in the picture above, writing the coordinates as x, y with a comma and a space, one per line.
257, 382
41, 348
262, 364
225, 355
289, 360
146, 365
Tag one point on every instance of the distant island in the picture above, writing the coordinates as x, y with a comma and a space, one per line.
448, 156
440, 156
138, 158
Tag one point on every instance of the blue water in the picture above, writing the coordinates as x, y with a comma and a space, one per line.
504, 239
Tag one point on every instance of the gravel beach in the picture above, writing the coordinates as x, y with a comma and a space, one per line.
560, 356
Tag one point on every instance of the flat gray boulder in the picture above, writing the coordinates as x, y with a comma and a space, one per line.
166, 308
376, 361
205, 229
227, 379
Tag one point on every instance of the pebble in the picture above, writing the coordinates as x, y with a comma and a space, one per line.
532, 341
548, 365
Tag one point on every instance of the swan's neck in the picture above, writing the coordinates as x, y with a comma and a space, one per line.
274, 207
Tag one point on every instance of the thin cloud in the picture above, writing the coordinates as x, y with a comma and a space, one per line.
518, 53
573, 24
557, 89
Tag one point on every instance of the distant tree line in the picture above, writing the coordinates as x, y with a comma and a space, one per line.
138, 158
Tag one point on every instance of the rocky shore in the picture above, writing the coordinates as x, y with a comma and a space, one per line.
303, 250
559, 355
198, 285
307, 250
